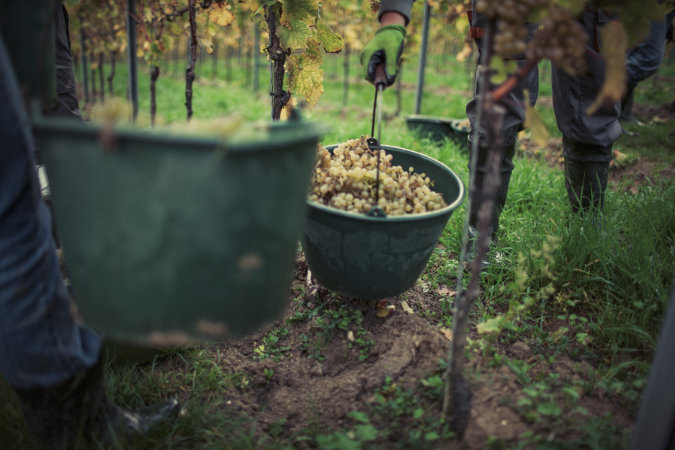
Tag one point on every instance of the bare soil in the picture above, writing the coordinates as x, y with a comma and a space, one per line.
305, 392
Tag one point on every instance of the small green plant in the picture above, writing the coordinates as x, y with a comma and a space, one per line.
270, 348
532, 283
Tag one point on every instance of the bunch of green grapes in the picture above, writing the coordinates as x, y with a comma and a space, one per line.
346, 180
560, 38
511, 36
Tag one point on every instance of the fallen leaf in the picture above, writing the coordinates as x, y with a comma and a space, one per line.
446, 291
350, 336
382, 309
619, 157
407, 308
447, 332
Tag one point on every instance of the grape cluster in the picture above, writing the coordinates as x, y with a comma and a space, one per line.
560, 38
346, 180
511, 36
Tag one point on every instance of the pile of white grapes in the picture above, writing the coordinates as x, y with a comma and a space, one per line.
346, 180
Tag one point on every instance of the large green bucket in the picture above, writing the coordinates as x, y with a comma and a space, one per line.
439, 128
370, 257
173, 239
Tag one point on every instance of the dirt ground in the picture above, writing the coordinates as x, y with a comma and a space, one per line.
305, 391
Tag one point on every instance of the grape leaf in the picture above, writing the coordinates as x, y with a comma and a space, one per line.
220, 14
294, 37
298, 10
614, 43
538, 132
493, 325
248, 5
305, 77
331, 41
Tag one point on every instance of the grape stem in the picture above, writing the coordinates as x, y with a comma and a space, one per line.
511, 82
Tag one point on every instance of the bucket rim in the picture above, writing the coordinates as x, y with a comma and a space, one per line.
430, 119
407, 217
273, 135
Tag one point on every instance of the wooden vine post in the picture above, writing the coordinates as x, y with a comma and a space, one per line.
423, 58
256, 57
277, 60
133, 67
190, 71
83, 44
101, 82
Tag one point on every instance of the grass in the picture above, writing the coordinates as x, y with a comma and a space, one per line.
610, 285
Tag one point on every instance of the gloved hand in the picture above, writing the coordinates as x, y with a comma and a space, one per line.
385, 48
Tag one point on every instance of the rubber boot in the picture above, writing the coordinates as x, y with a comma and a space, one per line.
586, 183
78, 414
478, 197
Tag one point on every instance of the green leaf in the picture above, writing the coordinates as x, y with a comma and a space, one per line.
502, 69
360, 416
614, 42
331, 41
366, 433
493, 325
304, 10
431, 436
305, 78
549, 409
534, 123
295, 36
418, 413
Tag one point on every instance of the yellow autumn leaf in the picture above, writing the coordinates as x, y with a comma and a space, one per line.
538, 132
303, 10
447, 332
614, 43
305, 79
493, 325
220, 15
382, 309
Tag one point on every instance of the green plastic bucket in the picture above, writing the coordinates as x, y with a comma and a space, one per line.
175, 239
367, 257
435, 128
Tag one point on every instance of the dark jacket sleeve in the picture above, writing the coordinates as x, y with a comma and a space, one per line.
402, 7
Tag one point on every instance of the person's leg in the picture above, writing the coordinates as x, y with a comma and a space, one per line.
67, 104
587, 139
41, 344
52, 361
513, 104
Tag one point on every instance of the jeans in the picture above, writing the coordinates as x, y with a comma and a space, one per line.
41, 342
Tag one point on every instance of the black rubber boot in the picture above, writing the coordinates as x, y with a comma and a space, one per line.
77, 414
586, 183
586, 174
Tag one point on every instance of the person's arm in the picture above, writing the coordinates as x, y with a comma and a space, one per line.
400, 7
386, 47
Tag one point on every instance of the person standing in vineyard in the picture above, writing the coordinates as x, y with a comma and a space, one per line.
51, 360
587, 139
